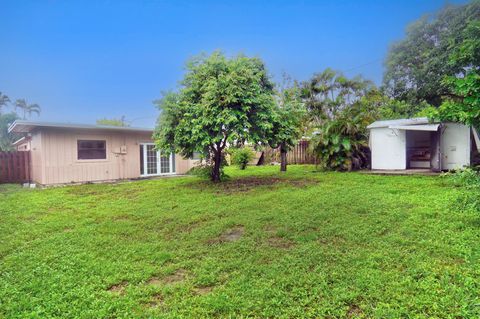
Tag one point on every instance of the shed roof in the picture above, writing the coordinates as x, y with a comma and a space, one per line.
22, 126
399, 122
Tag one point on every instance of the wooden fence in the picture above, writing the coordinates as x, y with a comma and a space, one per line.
298, 155
14, 167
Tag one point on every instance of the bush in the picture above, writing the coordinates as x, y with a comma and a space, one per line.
468, 177
342, 144
241, 156
205, 171
469, 180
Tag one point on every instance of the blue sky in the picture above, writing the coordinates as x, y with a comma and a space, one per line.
84, 60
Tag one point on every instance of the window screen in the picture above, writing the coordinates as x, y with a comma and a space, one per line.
91, 149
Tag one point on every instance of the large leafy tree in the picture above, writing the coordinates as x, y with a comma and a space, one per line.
221, 101
417, 65
463, 104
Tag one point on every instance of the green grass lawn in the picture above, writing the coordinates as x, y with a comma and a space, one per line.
264, 244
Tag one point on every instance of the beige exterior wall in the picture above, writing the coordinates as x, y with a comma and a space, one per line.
36, 164
54, 156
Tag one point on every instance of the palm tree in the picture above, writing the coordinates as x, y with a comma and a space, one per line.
4, 100
27, 108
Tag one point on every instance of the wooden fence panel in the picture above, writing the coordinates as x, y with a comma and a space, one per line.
15, 167
297, 155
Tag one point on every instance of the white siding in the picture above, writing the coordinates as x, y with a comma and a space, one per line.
455, 146
388, 148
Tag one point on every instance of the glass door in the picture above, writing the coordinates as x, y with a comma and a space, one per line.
153, 162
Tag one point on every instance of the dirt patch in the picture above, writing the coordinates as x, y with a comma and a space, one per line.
118, 288
233, 234
154, 281
67, 230
248, 183
279, 242
354, 311
202, 290
177, 276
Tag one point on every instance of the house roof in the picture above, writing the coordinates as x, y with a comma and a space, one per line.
22, 126
400, 122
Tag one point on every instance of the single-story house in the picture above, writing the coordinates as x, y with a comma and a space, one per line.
76, 153
418, 143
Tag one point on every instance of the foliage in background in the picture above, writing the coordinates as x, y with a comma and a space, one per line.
241, 156
204, 170
113, 122
330, 92
290, 121
26, 108
6, 139
4, 101
463, 104
417, 65
340, 109
221, 101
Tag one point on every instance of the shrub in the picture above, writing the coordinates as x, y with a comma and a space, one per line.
204, 171
468, 177
241, 156
342, 144
469, 180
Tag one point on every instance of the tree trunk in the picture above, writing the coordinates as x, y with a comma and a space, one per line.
283, 158
215, 176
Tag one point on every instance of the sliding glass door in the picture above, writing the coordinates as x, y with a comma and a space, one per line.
153, 162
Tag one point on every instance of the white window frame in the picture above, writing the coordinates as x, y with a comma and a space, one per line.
171, 159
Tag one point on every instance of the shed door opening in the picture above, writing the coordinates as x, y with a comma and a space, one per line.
154, 163
419, 152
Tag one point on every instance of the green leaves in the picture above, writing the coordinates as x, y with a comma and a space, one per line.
464, 106
417, 65
222, 100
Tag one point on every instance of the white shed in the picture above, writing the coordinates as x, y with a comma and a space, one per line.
417, 143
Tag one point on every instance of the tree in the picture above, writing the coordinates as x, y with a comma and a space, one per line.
463, 104
4, 100
339, 110
416, 66
329, 92
6, 139
289, 122
113, 122
27, 108
221, 100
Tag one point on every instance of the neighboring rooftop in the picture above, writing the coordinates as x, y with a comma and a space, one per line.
23, 126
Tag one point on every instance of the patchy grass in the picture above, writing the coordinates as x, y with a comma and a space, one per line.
264, 244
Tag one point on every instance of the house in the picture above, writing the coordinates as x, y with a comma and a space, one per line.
418, 143
77, 153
